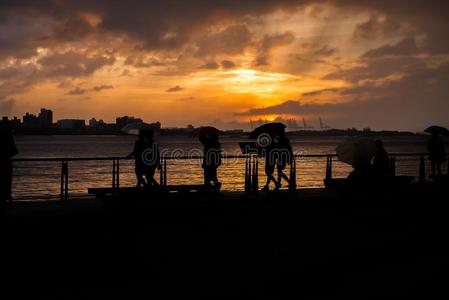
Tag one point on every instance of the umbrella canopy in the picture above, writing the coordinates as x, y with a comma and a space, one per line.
356, 151
135, 127
437, 130
269, 128
207, 131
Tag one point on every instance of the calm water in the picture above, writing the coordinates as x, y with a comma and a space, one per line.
42, 179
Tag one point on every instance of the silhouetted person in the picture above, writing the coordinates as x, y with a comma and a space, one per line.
284, 157
147, 158
437, 154
8, 150
381, 162
212, 159
271, 154
362, 172
152, 158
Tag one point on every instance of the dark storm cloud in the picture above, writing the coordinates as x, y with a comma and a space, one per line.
227, 64
261, 60
77, 91
232, 40
174, 89
18, 78
170, 24
73, 64
211, 65
141, 61
373, 69
270, 42
376, 28
81, 91
319, 92
102, 87
406, 46
325, 51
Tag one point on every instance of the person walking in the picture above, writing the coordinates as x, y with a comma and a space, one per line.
147, 158
284, 157
212, 160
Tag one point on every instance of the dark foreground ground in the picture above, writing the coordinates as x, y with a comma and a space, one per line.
309, 243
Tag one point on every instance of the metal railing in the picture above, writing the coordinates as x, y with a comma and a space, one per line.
251, 168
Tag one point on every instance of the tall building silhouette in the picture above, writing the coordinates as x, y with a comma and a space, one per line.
45, 118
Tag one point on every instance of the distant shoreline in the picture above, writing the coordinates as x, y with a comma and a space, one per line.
181, 132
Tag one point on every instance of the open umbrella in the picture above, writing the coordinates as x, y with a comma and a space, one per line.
208, 131
356, 150
135, 127
269, 128
437, 130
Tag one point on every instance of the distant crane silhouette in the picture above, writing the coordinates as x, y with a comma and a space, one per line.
322, 124
305, 126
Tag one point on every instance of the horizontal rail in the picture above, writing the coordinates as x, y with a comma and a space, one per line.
242, 156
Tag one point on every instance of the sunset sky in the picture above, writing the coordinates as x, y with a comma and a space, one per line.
356, 63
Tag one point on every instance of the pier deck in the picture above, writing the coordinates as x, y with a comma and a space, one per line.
309, 242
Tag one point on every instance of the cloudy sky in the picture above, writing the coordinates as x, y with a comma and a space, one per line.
355, 63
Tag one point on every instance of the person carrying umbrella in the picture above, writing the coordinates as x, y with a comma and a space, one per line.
285, 154
435, 147
265, 135
358, 152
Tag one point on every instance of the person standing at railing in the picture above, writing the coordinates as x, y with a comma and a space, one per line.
8, 150
152, 158
381, 161
212, 159
437, 153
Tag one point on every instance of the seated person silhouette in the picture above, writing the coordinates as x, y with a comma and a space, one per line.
8, 150
362, 173
381, 161
211, 160
147, 158
437, 154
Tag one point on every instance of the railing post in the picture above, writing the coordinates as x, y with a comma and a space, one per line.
64, 192
422, 169
165, 171
113, 173
329, 168
161, 172
255, 177
117, 176
66, 180
10, 180
248, 174
292, 185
